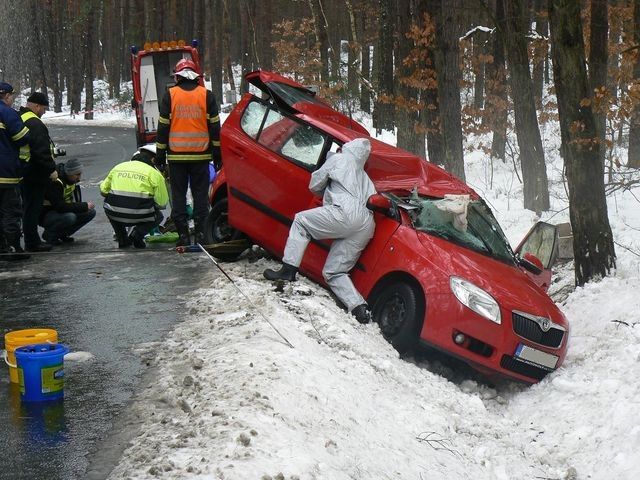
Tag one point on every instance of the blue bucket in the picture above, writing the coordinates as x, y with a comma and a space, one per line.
41, 371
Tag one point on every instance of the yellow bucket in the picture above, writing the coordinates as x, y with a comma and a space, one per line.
19, 338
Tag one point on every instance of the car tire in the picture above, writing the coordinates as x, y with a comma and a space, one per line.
218, 230
398, 310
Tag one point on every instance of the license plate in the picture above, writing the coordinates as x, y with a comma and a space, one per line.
537, 357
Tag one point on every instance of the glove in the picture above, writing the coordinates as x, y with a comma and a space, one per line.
54, 175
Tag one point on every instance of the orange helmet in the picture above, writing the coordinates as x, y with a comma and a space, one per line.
185, 64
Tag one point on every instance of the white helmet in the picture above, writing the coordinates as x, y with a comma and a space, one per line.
149, 147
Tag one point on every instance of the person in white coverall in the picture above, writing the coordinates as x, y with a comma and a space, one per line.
343, 216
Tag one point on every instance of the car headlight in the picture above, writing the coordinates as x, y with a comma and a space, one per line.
476, 299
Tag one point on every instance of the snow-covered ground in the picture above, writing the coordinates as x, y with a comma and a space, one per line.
232, 401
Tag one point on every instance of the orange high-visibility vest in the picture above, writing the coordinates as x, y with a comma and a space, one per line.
189, 130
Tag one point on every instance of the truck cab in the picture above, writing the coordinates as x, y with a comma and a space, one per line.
152, 74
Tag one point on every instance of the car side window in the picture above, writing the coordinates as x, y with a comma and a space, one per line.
296, 141
304, 145
252, 119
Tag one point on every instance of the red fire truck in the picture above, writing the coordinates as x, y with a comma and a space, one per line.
152, 75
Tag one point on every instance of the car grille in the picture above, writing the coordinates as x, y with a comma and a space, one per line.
531, 330
526, 369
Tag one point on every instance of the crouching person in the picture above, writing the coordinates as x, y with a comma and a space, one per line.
343, 217
64, 212
135, 192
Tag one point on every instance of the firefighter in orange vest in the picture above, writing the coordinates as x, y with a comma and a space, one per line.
188, 139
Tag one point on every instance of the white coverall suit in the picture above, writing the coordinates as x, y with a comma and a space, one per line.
343, 216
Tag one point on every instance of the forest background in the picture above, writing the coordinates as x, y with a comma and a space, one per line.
435, 71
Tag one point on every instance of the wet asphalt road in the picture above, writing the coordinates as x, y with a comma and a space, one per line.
102, 301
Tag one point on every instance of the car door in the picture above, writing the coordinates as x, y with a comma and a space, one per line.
543, 242
274, 154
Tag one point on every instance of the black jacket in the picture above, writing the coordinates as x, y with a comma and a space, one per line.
54, 196
41, 163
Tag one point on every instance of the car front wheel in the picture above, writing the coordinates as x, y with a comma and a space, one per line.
398, 310
218, 230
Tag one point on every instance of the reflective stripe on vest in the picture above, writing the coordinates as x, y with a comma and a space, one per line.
189, 130
68, 192
25, 151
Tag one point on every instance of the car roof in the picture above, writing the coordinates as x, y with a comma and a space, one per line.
389, 167
394, 169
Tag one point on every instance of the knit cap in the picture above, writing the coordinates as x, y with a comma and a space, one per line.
72, 167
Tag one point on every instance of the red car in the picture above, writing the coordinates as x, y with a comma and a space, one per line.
462, 291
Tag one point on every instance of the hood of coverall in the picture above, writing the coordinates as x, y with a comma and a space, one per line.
359, 149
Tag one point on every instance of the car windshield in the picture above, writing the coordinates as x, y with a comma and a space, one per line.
481, 232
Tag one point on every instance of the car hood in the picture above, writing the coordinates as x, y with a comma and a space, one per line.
508, 284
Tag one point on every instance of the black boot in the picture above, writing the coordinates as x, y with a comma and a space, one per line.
13, 253
137, 239
199, 233
362, 313
286, 272
184, 239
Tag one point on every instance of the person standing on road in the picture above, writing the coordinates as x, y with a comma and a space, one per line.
343, 217
40, 168
135, 192
64, 212
13, 135
188, 139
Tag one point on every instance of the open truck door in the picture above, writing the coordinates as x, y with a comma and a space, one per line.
544, 246
152, 74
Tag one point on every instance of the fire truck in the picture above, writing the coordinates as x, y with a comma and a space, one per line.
152, 75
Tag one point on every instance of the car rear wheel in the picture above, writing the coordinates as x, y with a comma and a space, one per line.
398, 310
218, 230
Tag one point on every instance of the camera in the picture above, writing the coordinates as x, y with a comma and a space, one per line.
59, 152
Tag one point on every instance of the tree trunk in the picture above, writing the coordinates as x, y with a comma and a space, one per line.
355, 63
265, 20
226, 46
365, 91
89, 64
479, 52
407, 114
598, 57
592, 239
383, 115
215, 54
497, 87
321, 38
541, 52
534, 173
634, 128
448, 73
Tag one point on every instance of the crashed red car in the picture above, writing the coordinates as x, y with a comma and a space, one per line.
462, 291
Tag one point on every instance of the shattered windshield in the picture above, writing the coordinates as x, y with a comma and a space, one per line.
471, 225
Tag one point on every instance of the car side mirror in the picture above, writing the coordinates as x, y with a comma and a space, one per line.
531, 263
379, 203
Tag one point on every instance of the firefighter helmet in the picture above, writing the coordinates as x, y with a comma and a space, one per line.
185, 64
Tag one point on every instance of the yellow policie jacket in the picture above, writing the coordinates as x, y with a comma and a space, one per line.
133, 191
